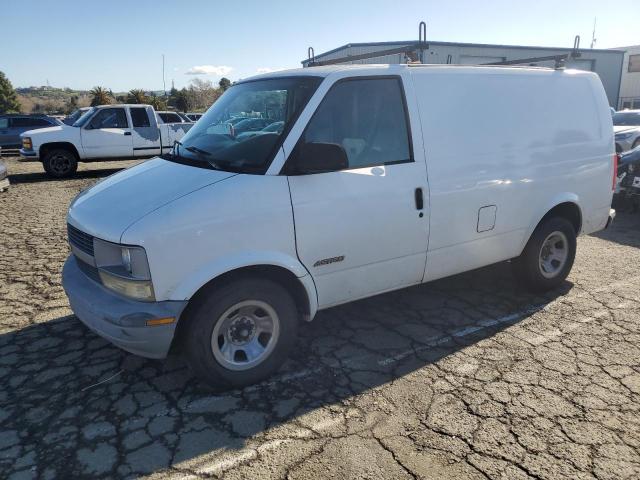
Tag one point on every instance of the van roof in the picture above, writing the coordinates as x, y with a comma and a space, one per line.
326, 70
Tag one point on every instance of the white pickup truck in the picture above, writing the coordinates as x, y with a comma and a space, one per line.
108, 132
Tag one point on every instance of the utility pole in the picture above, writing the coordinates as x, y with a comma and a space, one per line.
593, 35
164, 86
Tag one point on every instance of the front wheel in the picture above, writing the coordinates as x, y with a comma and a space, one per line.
548, 256
241, 333
60, 163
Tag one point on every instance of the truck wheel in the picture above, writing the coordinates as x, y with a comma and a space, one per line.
241, 333
60, 163
548, 256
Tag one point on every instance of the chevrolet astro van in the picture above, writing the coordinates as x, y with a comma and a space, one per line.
376, 178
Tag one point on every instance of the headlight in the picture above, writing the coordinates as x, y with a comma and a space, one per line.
26, 143
623, 136
124, 269
139, 289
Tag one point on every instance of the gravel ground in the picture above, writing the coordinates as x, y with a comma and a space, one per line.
467, 377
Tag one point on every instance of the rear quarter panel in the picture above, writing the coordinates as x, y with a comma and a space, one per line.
523, 140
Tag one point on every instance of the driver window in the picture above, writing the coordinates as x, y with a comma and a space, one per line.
367, 118
110, 118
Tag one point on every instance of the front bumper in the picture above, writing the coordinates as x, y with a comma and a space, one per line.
28, 155
120, 320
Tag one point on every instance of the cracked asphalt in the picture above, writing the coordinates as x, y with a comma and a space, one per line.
467, 377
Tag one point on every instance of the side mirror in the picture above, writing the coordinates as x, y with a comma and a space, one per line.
313, 158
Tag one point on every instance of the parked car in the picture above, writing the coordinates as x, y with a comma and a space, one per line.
194, 116
75, 115
4, 180
274, 128
628, 191
171, 117
251, 125
221, 246
102, 133
12, 125
626, 125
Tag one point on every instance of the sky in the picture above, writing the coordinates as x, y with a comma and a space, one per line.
119, 44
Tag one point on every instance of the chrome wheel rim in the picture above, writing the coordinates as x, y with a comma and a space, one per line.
245, 335
553, 254
60, 163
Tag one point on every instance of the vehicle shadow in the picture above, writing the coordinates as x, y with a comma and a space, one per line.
35, 177
87, 408
626, 232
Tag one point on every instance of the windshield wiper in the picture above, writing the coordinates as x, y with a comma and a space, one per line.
203, 155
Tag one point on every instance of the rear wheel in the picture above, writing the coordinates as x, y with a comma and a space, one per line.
60, 163
548, 256
241, 333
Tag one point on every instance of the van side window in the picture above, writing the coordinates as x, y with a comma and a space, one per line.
139, 117
367, 118
110, 118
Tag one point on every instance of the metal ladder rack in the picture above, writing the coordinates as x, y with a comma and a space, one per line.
409, 50
414, 53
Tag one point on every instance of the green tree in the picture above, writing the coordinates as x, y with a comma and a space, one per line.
99, 96
8, 98
224, 83
137, 96
157, 103
184, 100
72, 104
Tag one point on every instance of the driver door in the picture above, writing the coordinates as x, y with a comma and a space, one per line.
361, 230
108, 134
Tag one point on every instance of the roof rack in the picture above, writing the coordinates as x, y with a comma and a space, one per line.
560, 60
413, 51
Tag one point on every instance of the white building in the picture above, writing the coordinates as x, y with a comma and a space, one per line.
630, 81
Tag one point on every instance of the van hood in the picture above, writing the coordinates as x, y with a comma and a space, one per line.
113, 204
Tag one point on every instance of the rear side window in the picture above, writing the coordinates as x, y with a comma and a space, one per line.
367, 117
29, 122
110, 118
170, 117
4, 123
139, 117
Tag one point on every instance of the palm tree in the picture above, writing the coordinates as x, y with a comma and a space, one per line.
137, 96
157, 103
99, 96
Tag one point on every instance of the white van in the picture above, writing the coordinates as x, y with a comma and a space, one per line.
381, 177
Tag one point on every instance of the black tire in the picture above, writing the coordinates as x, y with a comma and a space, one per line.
527, 268
60, 163
207, 311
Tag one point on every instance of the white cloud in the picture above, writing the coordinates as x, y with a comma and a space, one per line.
268, 69
219, 71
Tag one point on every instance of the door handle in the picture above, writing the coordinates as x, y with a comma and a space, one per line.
127, 133
419, 199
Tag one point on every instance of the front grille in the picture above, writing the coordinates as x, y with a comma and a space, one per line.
89, 270
79, 239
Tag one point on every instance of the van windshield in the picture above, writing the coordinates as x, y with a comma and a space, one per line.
244, 128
